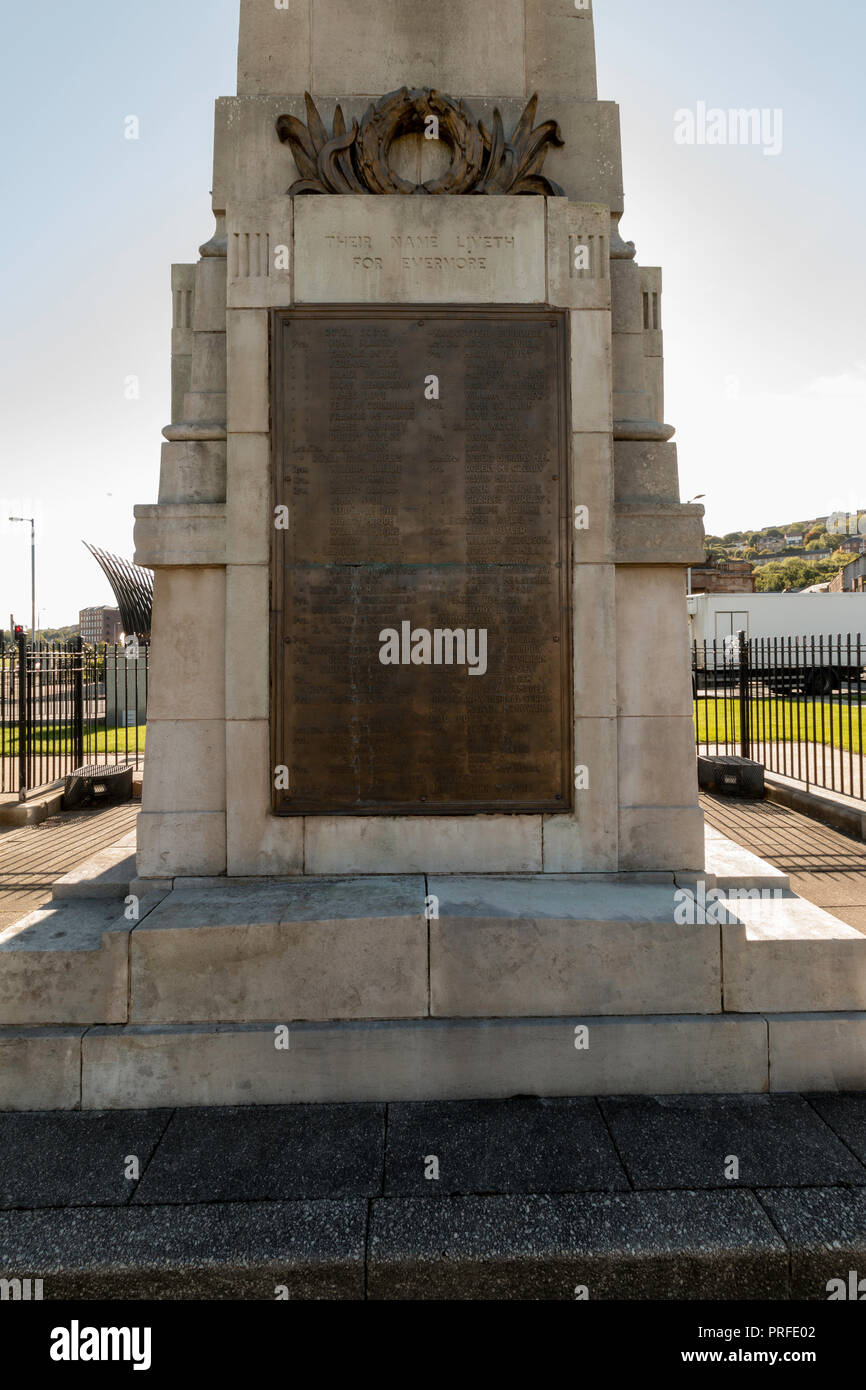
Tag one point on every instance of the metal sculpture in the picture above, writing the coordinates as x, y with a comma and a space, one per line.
133, 589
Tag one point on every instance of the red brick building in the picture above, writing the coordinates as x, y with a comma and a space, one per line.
723, 577
99, 625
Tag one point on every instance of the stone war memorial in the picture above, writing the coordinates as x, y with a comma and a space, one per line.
420, 812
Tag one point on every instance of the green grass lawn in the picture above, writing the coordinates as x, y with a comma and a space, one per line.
811, 721
57, 738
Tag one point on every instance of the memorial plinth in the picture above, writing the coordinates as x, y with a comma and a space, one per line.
420, 798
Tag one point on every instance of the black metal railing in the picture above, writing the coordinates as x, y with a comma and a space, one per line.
64, 705
794, 704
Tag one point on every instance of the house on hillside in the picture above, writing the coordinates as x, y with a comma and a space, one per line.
851, 579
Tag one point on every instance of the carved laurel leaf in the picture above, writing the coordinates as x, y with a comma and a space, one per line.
335, 171
294, 133
530, 144
496, 148
526, 122
315, 123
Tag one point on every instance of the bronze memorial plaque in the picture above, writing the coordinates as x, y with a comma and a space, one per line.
421, 632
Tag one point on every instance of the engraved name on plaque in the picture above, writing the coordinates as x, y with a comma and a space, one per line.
421, 632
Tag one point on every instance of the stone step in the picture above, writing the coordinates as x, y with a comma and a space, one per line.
364, 949
32, 812
127, 1068
730, 867
107, 874
68, 963
516, 947
792, 957
647, 1245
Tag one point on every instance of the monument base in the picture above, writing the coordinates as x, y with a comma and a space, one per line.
420, 987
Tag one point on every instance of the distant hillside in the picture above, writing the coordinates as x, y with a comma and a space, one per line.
795, 537
788, 557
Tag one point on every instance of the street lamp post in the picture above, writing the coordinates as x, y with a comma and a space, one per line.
32, 521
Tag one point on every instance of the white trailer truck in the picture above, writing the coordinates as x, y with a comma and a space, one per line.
806, 631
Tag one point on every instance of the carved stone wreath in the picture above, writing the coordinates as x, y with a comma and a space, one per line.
358, 160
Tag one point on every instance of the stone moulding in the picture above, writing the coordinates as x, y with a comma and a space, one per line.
648, 533
184, 534
358, 160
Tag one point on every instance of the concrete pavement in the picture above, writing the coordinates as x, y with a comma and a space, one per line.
756, 1197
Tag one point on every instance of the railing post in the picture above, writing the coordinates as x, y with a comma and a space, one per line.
78, 703
745, 731
21, 645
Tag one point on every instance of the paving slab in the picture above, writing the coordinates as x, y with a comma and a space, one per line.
831, 890
74, 1158
314, 1250
33, 857
825, 867
688, 1141
853, 916
846, 1116
826, 1231
522, 1145
631, 1245
285, 1154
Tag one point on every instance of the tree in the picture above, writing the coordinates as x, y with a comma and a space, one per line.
839, 559
786, 576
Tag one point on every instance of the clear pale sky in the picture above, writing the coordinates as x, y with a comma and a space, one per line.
764, 305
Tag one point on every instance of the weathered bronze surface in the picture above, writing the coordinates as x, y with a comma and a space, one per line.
432, 520
358, 160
